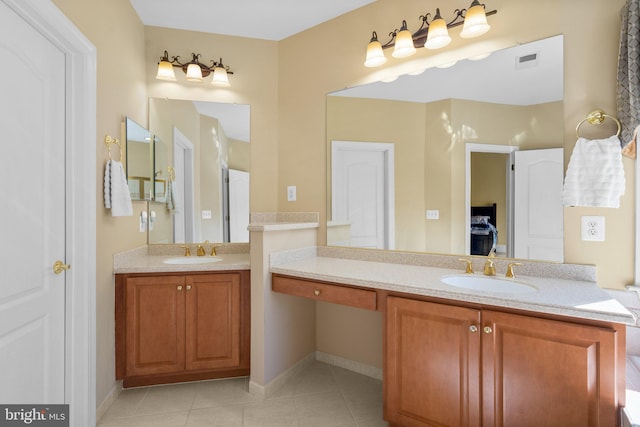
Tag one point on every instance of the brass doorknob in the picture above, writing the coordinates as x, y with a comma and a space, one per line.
59, 267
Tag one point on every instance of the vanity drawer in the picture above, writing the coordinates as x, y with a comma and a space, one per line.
336, 294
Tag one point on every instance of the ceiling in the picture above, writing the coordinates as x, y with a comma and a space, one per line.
500, 78
259, 19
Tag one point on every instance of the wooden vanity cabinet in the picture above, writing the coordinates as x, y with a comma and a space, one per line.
181, 327
447, 365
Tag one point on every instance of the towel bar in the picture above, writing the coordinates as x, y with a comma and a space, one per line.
108, 141
595, 118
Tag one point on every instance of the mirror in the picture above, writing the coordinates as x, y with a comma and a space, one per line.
408, 160
140, 149
202, 160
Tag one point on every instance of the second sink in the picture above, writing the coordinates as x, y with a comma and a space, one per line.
489, 284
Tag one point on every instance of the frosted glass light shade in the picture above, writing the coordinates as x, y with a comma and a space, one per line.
194, 73
475, 21
404, 44
165, 71
375, 56
438, 35
220, 77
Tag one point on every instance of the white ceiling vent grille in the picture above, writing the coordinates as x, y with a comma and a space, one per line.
527, 61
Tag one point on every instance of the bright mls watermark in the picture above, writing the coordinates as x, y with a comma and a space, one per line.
34, 415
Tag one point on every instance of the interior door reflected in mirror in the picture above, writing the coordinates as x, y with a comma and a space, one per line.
140, 149
510, 101
203, 156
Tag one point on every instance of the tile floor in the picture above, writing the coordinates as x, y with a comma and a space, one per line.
321, 395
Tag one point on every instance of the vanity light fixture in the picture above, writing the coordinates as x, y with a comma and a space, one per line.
195, 70
432, 34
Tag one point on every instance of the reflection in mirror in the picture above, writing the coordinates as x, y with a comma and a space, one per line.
139, 160
202, 155
452, 134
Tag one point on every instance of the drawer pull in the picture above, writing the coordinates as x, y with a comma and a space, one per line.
487, 329
473, 328
188, 287
316, 292
179, 287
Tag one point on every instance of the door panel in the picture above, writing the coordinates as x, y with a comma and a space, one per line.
32, 218
155, 325
213, 321
539, 372
432, 364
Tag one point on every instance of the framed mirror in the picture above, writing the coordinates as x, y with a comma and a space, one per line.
410, 162
140, 160
202, 160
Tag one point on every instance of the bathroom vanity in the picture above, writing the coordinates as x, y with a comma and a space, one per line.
554, 355
182, 321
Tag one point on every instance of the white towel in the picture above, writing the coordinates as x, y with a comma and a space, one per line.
595, 175
116, 194
170, 196
107, 185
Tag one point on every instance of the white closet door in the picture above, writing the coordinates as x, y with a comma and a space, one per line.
32, 214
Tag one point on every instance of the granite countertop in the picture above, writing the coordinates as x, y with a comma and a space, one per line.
575, 298
144, 260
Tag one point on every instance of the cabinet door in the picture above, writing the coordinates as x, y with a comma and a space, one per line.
432, 364
154, 333
539, 372
213, 321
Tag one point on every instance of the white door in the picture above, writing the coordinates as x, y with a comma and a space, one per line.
538, 212
238, 205
32, 215
362, 191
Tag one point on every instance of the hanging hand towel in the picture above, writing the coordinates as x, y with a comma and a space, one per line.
107, 185
595, 175
120, 197
170, 196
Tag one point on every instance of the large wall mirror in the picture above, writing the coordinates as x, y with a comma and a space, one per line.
201, 167
426, 162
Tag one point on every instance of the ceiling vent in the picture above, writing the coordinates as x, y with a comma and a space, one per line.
527, 61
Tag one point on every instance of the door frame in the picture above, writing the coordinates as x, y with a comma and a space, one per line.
181, 142
471, 147
80, 158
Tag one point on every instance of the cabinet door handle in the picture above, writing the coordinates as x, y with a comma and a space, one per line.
179, 287
487, 329
473, 328
188, 287
316, 292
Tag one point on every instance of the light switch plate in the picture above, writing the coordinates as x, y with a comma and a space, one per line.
433, 214
291, 193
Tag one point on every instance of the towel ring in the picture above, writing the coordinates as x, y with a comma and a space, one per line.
109, 141
595, 118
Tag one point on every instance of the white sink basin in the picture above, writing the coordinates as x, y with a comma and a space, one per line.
189, 260
489, 284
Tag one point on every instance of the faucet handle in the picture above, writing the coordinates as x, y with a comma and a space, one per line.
187, 250
201, 251
213, 249
467, 269
510, 266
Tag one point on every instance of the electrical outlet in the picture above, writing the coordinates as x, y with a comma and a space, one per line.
291, 193
433, 214
593, 228
206, 214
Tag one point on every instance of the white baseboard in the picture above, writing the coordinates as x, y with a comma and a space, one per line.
360, 368
108, 401
351, 365
267, 390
